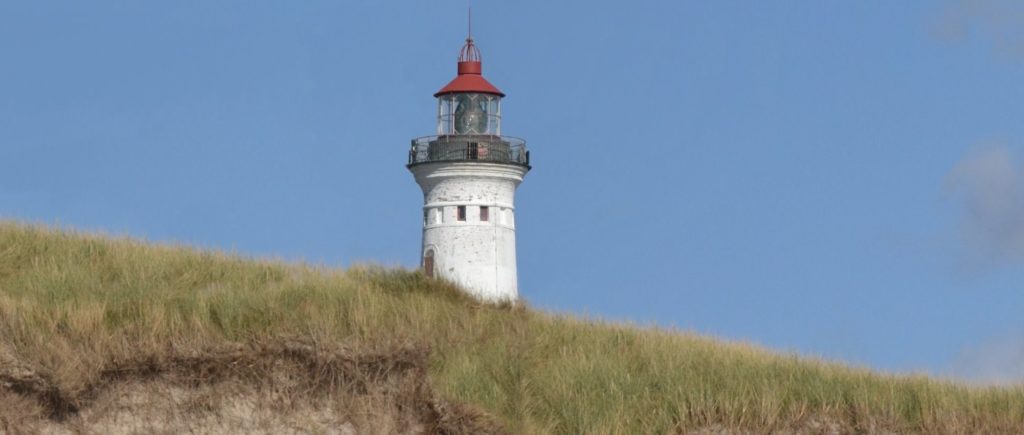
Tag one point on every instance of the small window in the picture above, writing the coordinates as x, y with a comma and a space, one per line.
485, 213
426, 216
460, 213
474, 151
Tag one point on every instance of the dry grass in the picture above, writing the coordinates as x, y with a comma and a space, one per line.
89, 325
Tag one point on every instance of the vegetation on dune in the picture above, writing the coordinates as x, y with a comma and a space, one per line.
73, 306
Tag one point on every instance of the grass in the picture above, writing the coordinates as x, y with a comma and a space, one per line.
71, 305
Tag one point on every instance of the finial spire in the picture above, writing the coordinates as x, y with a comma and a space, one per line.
469, 52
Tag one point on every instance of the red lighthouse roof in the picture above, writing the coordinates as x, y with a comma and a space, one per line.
469, 78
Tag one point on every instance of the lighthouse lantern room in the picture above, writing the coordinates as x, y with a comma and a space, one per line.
469, 173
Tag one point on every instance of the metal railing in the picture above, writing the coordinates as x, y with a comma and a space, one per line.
456, 148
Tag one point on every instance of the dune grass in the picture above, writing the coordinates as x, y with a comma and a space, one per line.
71, 304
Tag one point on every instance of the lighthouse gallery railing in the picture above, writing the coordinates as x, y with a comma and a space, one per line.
488, 148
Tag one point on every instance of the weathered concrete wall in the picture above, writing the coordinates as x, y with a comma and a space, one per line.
479, 255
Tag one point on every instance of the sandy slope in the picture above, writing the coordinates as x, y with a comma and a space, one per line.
280, 387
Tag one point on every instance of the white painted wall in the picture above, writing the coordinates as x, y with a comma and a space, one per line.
479, 256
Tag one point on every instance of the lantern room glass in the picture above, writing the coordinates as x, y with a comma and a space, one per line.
469, 113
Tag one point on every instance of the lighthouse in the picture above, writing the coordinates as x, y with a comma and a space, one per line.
469, 173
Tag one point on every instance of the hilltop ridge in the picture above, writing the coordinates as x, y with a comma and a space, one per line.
102, 334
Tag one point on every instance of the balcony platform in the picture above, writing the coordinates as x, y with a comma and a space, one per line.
469, 148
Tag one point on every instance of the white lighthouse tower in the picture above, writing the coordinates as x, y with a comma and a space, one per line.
469, 173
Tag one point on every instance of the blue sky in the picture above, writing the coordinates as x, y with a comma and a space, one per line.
843, 179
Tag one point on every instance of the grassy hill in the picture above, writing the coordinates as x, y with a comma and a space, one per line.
98, 334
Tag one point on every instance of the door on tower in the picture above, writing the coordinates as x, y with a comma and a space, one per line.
428, 263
